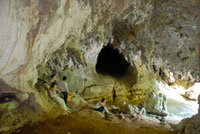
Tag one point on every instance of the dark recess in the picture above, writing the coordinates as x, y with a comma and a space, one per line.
111, 62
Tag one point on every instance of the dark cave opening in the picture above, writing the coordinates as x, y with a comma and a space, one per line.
111, 62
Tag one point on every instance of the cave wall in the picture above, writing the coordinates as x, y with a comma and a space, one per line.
31, 31
165, 38
33, 26
38, 37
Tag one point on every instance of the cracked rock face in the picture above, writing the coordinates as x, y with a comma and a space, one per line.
39, 38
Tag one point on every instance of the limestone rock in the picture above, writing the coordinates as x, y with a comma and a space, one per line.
171, 78
156, 104
96, 91
18, 108
134, 110
147, 32
190, 126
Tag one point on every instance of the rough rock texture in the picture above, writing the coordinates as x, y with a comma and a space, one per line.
40, 37
17, 107
156, 104
165, 38
134, 110
190, 125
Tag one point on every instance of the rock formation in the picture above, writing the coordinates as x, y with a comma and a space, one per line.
156, 104
66, 37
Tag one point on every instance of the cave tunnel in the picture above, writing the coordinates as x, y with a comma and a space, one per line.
111, 62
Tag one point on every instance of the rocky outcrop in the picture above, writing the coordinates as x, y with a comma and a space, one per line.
156, 104
134, 110
190, 125
51, 26
18, 108
32, 30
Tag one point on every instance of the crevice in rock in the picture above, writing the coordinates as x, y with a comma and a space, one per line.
114, 95
7, 97
93, 85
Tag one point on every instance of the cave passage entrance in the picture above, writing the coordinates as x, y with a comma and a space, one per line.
111, 62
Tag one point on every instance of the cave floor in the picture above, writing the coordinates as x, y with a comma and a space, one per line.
75, 124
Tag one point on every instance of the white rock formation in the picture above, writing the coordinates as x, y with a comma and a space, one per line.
156, 104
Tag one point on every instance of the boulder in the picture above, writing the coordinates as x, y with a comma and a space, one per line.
156, 104
131, 109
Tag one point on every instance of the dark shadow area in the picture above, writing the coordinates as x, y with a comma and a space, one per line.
7, 93
111, 62
7, 97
